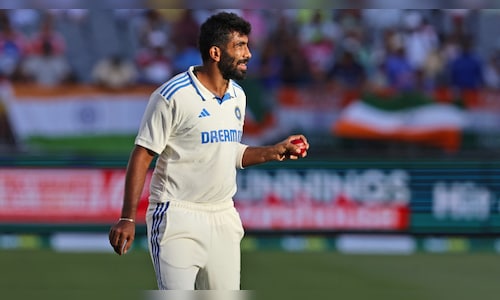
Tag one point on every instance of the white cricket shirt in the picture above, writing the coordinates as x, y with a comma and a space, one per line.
197, 136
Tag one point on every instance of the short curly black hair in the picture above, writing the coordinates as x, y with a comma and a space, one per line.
215, 31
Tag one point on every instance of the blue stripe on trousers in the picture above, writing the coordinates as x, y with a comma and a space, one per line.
158, 217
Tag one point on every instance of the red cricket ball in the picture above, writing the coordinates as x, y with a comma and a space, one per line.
301, 144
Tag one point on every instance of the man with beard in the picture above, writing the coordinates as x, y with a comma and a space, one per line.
194, 123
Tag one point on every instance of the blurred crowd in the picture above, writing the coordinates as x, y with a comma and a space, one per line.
393, 49
444, 53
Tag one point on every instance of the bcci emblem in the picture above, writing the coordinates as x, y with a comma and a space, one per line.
237, 113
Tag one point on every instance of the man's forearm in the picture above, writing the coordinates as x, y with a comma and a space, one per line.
286, 149
137, 169
259, 155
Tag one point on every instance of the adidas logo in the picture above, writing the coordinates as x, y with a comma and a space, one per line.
204, 113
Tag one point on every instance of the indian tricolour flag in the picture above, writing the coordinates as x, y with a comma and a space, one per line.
409, 118
73, 115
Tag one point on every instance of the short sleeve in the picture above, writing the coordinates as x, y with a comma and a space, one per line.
239, 155
156, 124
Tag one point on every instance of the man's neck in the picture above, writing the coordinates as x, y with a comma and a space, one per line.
211, 79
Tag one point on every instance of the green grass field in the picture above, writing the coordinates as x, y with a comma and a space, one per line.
44, 274
84, 145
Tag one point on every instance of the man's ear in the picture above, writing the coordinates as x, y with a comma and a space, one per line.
215, 53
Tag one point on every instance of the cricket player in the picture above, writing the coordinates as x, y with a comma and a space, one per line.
194, 124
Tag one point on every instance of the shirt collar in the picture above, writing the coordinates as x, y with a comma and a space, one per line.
205, 93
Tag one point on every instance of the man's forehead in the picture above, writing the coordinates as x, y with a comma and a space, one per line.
235, 35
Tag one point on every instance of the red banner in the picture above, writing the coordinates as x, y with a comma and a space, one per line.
370, 199
336, 215
64, 195
322, 218
94, 196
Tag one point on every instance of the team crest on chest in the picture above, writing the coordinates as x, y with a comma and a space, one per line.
237, 113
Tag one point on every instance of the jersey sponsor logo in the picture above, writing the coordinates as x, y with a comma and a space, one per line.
203, 113
221, 136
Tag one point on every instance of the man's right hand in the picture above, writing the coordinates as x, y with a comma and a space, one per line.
121, 236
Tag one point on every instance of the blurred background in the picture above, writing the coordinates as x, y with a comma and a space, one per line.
401, 108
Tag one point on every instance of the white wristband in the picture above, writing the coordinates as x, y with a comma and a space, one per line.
127, 219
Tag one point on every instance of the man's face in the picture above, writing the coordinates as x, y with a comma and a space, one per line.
234, 57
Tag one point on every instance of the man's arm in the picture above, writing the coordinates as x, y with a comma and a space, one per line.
122, 233
278, 152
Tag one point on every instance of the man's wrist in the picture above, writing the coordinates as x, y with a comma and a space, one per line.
275, 153
127, 219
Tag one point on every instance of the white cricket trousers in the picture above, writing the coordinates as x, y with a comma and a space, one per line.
195, 246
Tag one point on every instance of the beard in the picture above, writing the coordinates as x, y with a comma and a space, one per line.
228, 66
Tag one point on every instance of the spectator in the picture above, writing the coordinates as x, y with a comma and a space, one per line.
398, 70
152, 22
47, 68
492, 71
466, 74
378, 81
356, 42
420, 39
294, 65
349, 20
317, 38
47, 34
185, 37
259, 26
7, 137
319, 26
466, 69
185, 31
114, 72
185, 56
450, 47
281, 60
155, 65
270, 65
433, 69
14, 47
347, 73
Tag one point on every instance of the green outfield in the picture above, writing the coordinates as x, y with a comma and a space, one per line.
118, 145
44, 274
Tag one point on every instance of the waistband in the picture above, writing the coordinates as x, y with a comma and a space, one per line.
209, 207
